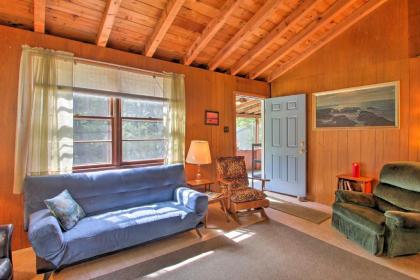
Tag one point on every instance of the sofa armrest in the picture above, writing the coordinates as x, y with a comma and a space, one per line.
6, 241
196, 201
359, 198
398, 219
46, 236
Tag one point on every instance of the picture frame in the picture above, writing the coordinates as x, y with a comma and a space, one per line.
370, 106
211, 117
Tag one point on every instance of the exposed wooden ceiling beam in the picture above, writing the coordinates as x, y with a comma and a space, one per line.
165, 21
262, 15
107, 22
241, 115
324, 19
254, 110
39, 15
356, 16
211, 29
247, 104
295, 16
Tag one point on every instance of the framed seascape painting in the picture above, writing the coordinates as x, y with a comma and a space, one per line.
358, 107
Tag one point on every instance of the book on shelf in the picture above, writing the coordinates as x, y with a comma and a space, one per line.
348, 185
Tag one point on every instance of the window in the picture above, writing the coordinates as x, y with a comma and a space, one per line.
118, 117
117, 131
92, 130
142, 130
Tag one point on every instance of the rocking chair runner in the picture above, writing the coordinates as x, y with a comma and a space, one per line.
233, 180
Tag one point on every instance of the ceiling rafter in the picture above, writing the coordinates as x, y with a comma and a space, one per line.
254, 110
210, 30
111, 10
165, 21
247, 104
341, 27
280, 30
262, 15
39, 15
324, 19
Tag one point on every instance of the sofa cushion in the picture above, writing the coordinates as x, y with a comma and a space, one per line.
67, 211
99, 234
383, 205
408, 200
369, 218
404, 175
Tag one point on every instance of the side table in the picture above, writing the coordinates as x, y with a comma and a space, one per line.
215, 197
196, 184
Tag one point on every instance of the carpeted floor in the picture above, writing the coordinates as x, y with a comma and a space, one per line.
309, 214
266, 250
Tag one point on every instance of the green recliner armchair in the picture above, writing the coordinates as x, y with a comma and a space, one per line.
387, 221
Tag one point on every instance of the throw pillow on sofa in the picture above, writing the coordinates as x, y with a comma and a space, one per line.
67, 211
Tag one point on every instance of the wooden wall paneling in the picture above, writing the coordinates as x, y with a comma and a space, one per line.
335, 31
369, 52
404, 109
204, 90
414, 27
414, 98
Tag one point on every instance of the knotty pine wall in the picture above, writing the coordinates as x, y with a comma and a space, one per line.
204, 90
375, 50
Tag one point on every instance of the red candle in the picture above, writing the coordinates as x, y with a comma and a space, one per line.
355, 168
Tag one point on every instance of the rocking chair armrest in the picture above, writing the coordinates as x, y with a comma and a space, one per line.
259, 179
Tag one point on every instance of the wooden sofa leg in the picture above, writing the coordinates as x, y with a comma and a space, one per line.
197, 230
47, 275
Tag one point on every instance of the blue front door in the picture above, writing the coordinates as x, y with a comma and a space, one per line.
285, 144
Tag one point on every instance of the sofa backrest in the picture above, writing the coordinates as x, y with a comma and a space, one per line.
399, 184
102, 191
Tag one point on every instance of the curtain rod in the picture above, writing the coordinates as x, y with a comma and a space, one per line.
133, 69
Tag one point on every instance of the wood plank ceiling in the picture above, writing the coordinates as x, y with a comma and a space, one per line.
257, 39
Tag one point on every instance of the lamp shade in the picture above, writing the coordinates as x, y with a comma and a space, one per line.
199, 153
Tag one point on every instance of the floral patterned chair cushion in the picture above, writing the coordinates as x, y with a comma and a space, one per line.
246, 194
232, 172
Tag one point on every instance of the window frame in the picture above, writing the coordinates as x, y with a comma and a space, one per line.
116, 118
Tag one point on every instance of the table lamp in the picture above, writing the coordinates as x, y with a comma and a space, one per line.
199, 154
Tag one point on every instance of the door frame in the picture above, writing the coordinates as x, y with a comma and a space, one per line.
247, 94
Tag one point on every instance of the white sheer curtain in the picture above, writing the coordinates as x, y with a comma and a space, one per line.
174, 118
44, 132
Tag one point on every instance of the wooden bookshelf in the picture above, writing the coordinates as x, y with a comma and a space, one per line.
365, 183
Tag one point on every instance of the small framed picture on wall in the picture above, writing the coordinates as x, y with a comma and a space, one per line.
211, 118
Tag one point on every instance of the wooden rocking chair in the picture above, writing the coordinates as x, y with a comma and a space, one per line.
233, 180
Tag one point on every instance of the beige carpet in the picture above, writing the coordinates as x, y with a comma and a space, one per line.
309, 214
266, 250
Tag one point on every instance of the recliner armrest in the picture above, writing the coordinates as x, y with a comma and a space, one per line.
46, 236
398, 219
359, 198
6, 241
196, 201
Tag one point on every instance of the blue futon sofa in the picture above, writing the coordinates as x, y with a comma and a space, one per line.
123, 208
